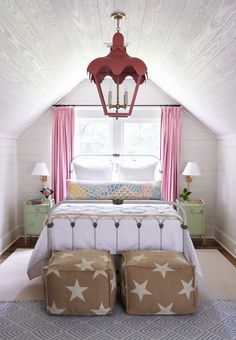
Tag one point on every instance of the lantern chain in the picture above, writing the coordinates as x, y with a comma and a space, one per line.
118, 16
118, 24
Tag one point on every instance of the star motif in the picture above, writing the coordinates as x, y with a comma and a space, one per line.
163, 269
138, 258
77, 291
99, 272
188, 288
105, 258
113, 283
101, 311
85, 264
140, 289
64, 255
180, 258
165, 310
54, 309
54, 271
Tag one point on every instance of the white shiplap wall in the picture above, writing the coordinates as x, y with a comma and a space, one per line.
198, 144
34, 145
8, 191
226, 187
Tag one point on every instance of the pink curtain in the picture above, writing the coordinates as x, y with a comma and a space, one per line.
62, 149
170, 151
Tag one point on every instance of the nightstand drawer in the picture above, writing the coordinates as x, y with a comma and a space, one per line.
37, 208
33, 228
196, 216
34, 222
35, 217
193, 209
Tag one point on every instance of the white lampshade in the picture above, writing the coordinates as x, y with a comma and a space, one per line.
40, 169
191, 169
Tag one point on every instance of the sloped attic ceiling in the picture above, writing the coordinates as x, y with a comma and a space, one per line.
189, 47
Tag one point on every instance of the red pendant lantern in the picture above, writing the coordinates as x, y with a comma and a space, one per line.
118, 65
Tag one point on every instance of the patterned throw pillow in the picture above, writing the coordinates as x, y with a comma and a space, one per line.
85, 190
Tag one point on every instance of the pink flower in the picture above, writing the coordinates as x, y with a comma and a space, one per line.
46, 191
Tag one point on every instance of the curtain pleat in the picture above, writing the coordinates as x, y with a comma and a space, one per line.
170, 151
62, 149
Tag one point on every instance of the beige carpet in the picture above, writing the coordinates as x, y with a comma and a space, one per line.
219, 276
14, 282
219, 280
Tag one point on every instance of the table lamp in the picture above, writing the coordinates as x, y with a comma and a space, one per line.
190, 170
41, 170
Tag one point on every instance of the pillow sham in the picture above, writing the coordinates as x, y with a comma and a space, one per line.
134, 190
93, 172
136, 173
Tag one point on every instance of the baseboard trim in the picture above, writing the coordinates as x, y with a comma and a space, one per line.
207, 237
225, 241
9, 239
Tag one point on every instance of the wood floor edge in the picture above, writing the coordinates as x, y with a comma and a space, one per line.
211, 243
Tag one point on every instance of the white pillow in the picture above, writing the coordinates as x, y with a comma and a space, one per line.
98, 172
137, 172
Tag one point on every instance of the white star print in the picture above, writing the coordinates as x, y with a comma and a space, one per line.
140, 289
188, 288
85, 264
101, 311
113, 283
64, 255
77, 291
54, 309
138, 258
105, 258
165, 310
99, 272
162, 269
54, 271
180, 258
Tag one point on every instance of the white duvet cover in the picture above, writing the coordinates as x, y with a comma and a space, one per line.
150, 215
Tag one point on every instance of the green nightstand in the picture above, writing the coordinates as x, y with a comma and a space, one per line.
196, 217
35, 216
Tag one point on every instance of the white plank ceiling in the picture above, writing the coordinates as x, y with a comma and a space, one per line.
189, 47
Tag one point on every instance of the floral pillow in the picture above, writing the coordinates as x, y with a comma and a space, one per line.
87, 190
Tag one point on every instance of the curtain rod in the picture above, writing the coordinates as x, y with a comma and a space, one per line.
147, 105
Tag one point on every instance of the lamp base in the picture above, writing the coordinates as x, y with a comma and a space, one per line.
43, 178
188, 180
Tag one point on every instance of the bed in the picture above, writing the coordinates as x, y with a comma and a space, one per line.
115, 215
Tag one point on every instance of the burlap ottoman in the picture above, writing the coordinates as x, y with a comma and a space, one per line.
157, 282
80, 282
